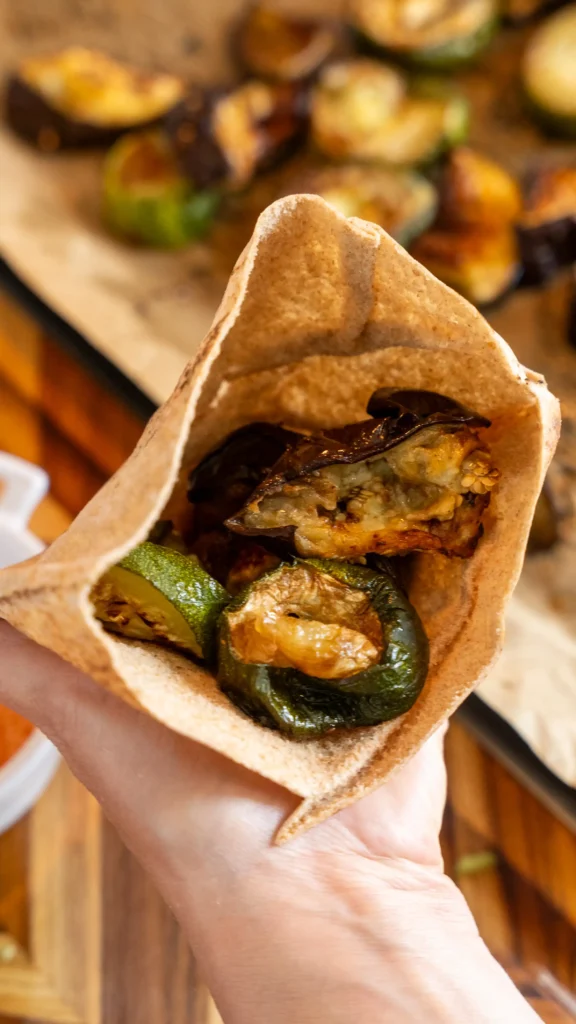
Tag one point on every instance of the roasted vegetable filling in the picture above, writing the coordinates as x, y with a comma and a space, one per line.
319, 645
88, 86
426, 493
300, 618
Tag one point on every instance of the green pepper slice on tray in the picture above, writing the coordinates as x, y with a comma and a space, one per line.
319, 645
161, 595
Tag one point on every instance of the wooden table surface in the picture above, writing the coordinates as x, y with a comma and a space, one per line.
84, 937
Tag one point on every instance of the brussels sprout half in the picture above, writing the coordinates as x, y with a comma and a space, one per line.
79, 97
319, 645
437, 35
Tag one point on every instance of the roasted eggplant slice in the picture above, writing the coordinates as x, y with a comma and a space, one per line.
321, 645
273, 45
544, 530
404, 203
362, 110
229, 136
549, 73
481, 265
571, 324
477, 192
160, 595
403, 482
146, 197
518, 11
436, 34
547, 226
80, 97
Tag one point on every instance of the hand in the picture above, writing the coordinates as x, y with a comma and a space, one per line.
354, 920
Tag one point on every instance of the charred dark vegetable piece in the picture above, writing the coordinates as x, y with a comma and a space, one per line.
549, 73
363, 110
518, 11
321, 645
271, 44
80, 97
547, 227
572, 316
404, 203
477, 192
544, 530
229, 136
481, 265
404, 482
147, 199
439, 34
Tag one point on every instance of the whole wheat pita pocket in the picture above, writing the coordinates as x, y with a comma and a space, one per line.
319, 312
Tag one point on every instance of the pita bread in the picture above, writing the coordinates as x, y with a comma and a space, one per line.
319, 312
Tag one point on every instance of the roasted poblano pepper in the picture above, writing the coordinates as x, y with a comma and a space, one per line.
438, 34
417, 478
320, 645
161, 595
146, 198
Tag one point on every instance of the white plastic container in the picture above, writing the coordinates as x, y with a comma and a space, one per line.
26, 775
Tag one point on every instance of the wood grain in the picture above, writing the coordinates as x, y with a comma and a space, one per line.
130, 964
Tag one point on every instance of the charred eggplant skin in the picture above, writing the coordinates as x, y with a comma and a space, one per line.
547, 228
303, 707
414, 410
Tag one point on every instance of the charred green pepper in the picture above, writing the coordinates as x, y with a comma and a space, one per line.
549, 73
367, 111
147, 199
406, 481
439, 34
160, 595
81, 97
320, 645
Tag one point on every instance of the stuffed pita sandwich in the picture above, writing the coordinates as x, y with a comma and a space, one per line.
305, 562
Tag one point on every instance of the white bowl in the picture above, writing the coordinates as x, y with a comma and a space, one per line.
25, 776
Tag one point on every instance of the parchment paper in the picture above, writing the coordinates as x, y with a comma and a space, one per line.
148, 311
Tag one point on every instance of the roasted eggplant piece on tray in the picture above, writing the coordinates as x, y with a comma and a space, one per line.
147, 199
398, 483
272, 44
477, 192
160, 595
404, 203
549, 73
320, 645
80, 97
547, 226
367, 111
228, 136
518, 11
438, 34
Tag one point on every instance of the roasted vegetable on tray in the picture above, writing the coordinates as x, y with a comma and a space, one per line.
147, 199
473, 245
320, 645
284, 48
228, 136
547, 225
367, 111
404, 203
549, 72
80, 97
308, 641
438, 34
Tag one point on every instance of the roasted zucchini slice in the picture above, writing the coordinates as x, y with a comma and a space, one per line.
404, 203
319, 645
406, 481
80, 97
271, 44
547, 226
549, 73
160, 595
477, 192
435, 34
363, 110
147, 199
229, 136
481, 265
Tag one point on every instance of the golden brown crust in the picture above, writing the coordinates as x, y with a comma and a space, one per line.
320, 311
